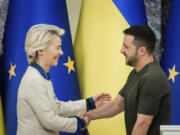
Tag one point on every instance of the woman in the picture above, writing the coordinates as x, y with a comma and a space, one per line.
39, 113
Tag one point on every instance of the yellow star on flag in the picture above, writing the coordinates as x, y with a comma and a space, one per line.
70, 65
172, 73
11, 71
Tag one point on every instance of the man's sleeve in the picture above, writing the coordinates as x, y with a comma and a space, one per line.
122, 91
150, 96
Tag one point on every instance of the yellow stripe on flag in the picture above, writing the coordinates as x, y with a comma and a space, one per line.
101, 67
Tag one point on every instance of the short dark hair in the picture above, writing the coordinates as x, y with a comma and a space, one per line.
143, 36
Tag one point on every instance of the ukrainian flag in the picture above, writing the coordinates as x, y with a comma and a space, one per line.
22, 14
101, 67
170, 59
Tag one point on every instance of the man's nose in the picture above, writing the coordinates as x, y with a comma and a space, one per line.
122, 50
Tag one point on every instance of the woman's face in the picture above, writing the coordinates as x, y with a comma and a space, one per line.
52, 53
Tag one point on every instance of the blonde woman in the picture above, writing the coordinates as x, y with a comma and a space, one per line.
39, 113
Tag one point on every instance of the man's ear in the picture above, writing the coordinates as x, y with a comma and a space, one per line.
142, 51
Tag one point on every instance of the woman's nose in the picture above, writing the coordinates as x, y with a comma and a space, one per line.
60, 52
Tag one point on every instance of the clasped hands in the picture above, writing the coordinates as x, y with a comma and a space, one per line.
100, 100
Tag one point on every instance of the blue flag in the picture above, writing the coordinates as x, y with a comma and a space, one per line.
22, 14
170, 59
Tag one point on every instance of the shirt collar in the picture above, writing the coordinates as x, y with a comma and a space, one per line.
41, 71
146, 67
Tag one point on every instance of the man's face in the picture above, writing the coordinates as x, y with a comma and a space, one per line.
129, 50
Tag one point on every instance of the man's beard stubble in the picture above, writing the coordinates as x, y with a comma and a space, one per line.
132, 60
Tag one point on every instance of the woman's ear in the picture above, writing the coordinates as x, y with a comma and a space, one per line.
40, 52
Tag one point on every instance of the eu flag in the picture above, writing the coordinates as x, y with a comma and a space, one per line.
22, 14
170, 59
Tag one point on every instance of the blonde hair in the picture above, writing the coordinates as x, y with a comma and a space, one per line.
39, 37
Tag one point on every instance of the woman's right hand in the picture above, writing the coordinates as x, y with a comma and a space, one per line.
87, 119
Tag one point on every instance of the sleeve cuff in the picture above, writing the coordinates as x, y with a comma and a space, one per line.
80, 123
90, 104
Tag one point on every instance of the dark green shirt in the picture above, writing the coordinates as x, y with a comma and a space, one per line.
147, 92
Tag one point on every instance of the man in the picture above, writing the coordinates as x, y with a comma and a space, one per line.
145, 98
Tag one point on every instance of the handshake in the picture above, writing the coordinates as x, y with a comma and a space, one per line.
99, 101
86, 118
